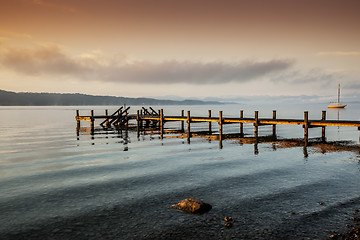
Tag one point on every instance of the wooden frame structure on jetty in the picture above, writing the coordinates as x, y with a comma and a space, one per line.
121, 118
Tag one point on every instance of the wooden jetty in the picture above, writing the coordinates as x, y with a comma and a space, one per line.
149, 117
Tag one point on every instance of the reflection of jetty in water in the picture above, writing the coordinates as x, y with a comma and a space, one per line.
153, 124
314, 145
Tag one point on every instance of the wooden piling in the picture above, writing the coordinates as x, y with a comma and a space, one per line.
256, 124
162, 123
107, 118
77, 123
188, 126
323, 117
77, 120
120, 113
182, 122
210, 122
274, 125
306, 128
147, 122
92, 122
138, 118
241, 124
305, 152
220, 128
126, 119
141, 119
138, 123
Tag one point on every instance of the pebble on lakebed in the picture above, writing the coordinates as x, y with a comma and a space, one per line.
229, 222
192, 205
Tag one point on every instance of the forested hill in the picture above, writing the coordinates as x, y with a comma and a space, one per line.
56, 99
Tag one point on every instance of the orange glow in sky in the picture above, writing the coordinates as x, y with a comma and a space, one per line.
189, 48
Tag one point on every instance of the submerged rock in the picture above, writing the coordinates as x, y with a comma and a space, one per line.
192, 205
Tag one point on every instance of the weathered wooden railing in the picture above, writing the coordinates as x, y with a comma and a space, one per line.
117, 112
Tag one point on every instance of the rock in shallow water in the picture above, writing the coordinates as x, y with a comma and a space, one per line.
192, 205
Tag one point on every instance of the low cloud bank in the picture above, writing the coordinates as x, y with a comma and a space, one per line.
52, 61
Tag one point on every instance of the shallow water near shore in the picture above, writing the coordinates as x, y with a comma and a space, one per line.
58, 184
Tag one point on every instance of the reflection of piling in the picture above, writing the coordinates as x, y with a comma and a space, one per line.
256, 148
305, 152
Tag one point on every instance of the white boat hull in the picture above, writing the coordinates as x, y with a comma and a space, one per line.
336, 105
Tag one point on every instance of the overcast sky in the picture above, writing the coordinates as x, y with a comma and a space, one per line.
188, 48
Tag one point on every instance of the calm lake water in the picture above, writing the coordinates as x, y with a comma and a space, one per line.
115, 184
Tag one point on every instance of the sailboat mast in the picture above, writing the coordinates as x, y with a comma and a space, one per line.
339, 93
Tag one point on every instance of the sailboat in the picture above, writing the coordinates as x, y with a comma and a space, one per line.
337, 104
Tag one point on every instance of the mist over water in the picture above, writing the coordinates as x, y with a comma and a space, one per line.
50, 175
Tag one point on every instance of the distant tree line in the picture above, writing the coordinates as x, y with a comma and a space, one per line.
64, 99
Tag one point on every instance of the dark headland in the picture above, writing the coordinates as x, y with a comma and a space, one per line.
8, 98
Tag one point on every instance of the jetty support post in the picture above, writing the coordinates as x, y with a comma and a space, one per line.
107, 118
162, 123
256, 124
210, 131
77, 123
119, 114
323, 117
274, 125
77, 120
220, 129
306, 128
188, 127
92, 122
141, 119
126, 119
182, 122
242, 124
138, 123
147, 122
